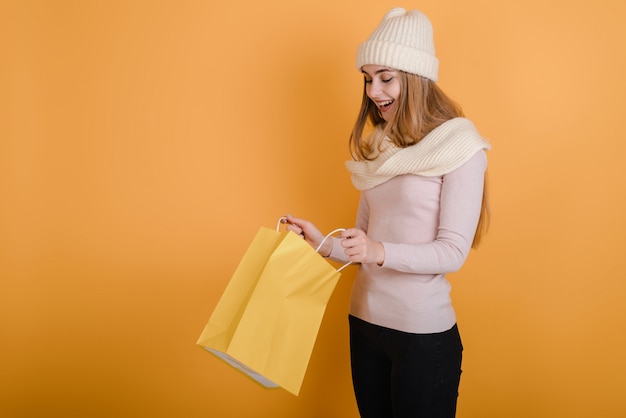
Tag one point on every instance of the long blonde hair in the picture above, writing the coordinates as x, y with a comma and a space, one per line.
422, 106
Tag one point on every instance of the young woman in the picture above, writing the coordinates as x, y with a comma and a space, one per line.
421, 174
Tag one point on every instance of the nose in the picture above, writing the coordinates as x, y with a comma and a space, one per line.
374, 89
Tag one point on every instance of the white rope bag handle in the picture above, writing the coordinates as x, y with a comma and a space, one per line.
280, 221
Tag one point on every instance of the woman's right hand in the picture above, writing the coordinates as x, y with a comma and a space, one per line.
309, 232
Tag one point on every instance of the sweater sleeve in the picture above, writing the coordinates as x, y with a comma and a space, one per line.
460, 205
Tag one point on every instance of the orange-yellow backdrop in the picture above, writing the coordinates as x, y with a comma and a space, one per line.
143, 143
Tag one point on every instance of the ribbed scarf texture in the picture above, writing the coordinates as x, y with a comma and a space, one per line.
442, 151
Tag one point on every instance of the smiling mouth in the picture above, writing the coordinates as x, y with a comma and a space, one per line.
384, 106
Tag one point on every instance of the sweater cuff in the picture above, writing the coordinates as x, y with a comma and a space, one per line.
337, 253
383, 264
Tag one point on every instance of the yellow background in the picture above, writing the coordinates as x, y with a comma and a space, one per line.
143, 143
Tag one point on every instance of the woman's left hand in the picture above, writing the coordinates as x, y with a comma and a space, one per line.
360, 248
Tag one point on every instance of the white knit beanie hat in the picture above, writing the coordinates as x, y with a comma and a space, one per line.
402, 41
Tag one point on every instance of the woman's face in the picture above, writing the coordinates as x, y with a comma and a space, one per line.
382, 86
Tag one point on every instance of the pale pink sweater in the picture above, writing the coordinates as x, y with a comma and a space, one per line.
426, 225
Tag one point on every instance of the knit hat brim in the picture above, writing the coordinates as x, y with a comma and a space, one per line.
399, 57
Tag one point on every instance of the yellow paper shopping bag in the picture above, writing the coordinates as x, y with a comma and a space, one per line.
267, 320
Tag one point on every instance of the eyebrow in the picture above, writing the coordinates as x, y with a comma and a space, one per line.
382, 70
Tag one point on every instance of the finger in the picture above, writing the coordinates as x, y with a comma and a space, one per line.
293, 220
353, 233
352, 245
348, 233
353, 255
294, 228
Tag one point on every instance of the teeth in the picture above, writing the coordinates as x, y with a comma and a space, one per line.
384, 104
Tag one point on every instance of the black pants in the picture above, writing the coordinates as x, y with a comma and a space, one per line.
403, 375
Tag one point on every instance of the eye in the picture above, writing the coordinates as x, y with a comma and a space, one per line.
368, 81
387, 80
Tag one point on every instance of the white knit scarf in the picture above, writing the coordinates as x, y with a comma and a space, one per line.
443, 150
